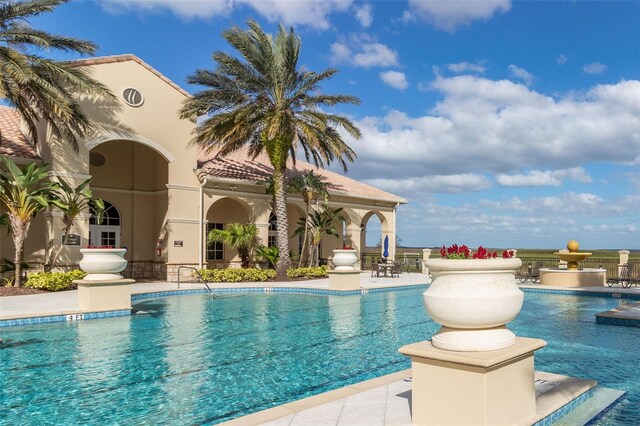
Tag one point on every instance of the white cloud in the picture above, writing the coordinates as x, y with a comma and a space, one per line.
449, 15
187, 9
464, 67
364, 15
313, 13
594, 68
484, 126
521, 74
544, 178
562, 59
467, 182
395, 79
361, 51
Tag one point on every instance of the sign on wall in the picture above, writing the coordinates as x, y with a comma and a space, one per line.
177, 243
72, 240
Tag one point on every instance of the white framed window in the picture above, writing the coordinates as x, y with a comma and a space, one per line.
215, 250
107, 233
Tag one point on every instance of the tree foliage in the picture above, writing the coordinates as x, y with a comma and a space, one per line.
263, 100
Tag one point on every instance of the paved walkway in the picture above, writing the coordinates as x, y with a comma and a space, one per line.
66, 302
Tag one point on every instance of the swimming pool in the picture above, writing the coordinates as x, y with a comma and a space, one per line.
194, 360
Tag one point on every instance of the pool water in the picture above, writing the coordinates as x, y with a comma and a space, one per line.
194, 360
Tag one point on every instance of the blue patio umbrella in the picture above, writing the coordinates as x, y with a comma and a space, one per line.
385, 253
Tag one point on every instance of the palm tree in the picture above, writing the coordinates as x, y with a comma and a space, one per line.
240, 237
266, 102
319, 224
40, 88
310, 186
23, 193
73, 201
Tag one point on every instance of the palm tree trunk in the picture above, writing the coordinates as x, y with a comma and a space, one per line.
304, 239
19, 230
284, 261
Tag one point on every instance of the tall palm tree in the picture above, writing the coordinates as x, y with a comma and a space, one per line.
40, 88
264, 101
23, 193
241, 237
310, 186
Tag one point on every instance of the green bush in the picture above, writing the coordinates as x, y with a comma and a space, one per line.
54, 281
312, 272
237, 275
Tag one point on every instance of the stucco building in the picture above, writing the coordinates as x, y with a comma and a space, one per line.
161, 195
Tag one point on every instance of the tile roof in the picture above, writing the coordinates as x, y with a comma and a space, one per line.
13, 143
238, 165
124, 58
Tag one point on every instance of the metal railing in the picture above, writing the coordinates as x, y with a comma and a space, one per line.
411, 262
196, 275
610, 264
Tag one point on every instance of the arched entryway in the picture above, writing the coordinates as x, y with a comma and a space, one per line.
374, 228
132, 177
221, 213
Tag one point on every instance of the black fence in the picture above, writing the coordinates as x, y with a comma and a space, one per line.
610, 264
412, 262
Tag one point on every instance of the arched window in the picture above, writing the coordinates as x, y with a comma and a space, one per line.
106, 233
110, 216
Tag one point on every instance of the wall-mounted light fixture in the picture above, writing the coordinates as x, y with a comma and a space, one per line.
233, 187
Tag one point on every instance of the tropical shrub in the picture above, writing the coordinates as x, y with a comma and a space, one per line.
310, 272
237, 275
269, 254
54, 281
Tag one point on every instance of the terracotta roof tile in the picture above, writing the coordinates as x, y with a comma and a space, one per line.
128, 57
238, 165
13, 142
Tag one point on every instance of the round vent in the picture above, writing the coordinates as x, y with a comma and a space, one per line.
96, 159
132, 97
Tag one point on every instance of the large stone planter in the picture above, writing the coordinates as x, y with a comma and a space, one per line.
345, 260
473, 299
103, 264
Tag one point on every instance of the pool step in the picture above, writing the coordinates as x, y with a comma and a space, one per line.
602, 400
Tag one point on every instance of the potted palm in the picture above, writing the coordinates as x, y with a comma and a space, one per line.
473, 296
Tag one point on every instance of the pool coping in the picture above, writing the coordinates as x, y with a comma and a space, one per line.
551, 405
79, 315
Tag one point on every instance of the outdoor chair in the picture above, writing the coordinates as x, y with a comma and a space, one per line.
375, 270
532, 274
396, 269
625, 276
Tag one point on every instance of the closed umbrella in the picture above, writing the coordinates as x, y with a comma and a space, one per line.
385, 253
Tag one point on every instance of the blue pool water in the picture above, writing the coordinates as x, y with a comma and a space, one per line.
194, 360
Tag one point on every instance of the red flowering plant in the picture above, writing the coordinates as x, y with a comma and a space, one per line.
346, 247
463, 252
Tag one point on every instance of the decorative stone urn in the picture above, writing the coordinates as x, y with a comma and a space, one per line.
473, 299
345, 260
103, 264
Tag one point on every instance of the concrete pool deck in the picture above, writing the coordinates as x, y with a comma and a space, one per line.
66, 302
386, 401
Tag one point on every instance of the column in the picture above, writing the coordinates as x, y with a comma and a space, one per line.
426, 254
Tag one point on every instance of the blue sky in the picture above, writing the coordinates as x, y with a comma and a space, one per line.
507, 124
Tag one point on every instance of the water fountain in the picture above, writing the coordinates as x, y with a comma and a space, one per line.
572, 275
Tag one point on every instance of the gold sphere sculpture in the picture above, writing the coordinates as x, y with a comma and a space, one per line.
573, 246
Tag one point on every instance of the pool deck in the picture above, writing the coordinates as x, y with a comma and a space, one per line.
66, 302
386, 401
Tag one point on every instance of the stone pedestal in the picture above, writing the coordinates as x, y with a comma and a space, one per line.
592, 277
473, 388
104, 295
344, 280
